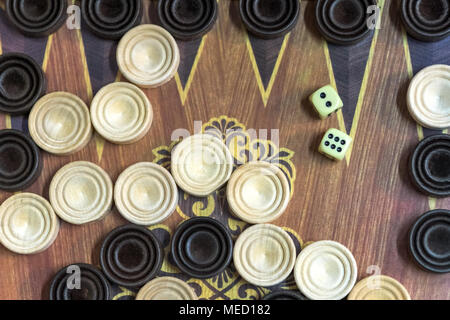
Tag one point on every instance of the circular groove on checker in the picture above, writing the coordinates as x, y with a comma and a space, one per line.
94, 285
121, 113
264, 255
429, 97
343, 22
20, 161
188, 19
201, 164
28, 224
202, 247
111, 19
429, 168
22, 83
131, 256
37, 18
325, 270
429, 241
146, 194
148, 56
166, 288
258, 192
379, 287
269, 19
60, 123
426, 20
81, 192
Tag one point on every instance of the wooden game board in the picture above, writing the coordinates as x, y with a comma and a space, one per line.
229, 79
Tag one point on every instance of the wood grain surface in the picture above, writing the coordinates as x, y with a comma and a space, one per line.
366, 202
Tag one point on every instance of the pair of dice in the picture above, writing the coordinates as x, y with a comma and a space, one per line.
335, 144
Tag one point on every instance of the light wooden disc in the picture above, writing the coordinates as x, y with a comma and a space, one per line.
325, 270
81, 192
121, 113
264, 255
148, 56
201, 164
146, 194
379, 288
429, 97
28, 224
166, 288
60, 123
258, 192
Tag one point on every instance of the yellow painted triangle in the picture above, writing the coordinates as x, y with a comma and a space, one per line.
265, 93
363, 89
184, 91
48, 49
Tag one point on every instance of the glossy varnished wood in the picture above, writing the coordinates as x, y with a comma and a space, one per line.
366, 202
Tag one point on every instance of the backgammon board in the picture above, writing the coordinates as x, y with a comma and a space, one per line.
229, 79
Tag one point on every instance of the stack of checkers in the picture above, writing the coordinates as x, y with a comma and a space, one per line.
269, 19
426, 20
429, 167
345, 22
187, 19
111, 19
23, 83
429, 97
37, 18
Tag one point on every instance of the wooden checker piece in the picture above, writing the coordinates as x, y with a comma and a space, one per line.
429, 169
188, 19
429, 241
258, 192
148, 56
146, 194
20, 161
264, 255
111, 19
285, 295
22, 83
81, 192
379, 288
131, 256
28, 224
429, 97
93, 284
202, 247
343, 22
60, 123
426, 20
325, 270
121, 113
37, 18
201, 164
269, 19
166, 288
